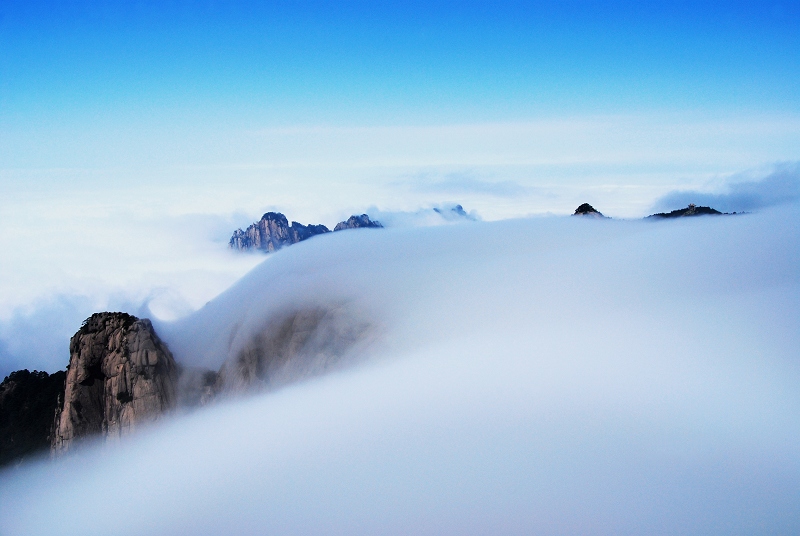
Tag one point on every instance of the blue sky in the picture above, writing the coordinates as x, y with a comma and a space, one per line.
286, 63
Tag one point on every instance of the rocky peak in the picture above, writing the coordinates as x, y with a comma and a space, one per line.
120, 374
588, 210
358, 222
272, 232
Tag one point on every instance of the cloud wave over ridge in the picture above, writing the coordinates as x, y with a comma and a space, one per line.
540, 376
779, 187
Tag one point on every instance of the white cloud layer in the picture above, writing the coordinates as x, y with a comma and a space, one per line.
743, 193
539, 376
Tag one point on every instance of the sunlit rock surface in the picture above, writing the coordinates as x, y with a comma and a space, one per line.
120, 374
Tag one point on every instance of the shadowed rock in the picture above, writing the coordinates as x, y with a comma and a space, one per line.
588, 210
28, 402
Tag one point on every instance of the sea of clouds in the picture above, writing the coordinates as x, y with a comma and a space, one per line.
550, 375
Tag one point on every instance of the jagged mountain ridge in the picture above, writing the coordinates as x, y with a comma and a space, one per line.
273, 231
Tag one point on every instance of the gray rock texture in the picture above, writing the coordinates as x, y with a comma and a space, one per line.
357, 222
272, 232
120, 374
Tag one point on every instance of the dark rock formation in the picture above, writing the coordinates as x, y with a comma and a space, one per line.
358, 222
588, 210
691, 210
272, 232
28, 402
120, 374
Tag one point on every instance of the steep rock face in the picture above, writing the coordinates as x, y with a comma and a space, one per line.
358, 222
28, 402
120, 374
272, 232
588, 210
691, 210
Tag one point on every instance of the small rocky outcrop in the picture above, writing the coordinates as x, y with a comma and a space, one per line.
691, 210
358, 222
28, 402
272, 232
454, 213
120, 374
588, 210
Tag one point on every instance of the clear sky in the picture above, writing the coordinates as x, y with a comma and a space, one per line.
288, 63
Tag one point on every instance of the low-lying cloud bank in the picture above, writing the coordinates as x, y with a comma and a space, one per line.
543, 376
779, 187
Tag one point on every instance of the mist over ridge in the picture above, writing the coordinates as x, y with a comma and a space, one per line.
546, 375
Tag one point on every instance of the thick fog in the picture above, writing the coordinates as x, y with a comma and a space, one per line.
551, 375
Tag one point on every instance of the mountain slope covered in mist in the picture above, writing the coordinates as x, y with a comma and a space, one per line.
548, 375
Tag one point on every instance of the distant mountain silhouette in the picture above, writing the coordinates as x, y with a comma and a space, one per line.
691, 210
588, 210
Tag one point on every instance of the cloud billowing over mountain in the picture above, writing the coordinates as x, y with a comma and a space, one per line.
547, 375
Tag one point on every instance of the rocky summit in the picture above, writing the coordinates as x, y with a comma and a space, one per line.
358, 222
589, 211
272, 232
120, 374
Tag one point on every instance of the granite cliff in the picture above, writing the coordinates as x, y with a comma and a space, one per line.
120, 374
273, 232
